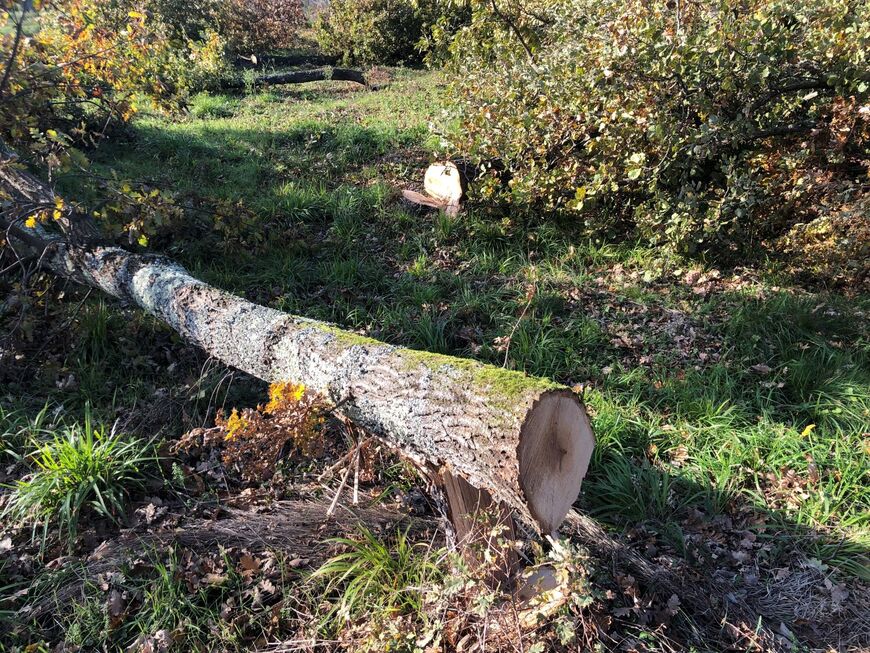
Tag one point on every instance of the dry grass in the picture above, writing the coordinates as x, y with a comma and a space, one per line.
297, 528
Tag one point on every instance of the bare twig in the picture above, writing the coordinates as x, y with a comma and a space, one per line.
341, 485
507, 348
356, 474
513, 26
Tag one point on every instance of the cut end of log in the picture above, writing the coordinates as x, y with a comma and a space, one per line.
555, 448
444, 182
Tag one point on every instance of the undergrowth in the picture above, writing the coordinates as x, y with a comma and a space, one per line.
373, 575
81, 468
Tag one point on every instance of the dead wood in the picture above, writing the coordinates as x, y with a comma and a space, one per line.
298, 528
303, 76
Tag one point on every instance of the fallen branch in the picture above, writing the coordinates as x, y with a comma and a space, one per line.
295, 526
302, 76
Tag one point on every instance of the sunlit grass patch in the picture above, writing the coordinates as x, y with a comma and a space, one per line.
374, 577
80, 468
206, 105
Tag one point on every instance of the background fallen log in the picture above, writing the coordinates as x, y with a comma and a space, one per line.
284, 60
302, 76
527, 441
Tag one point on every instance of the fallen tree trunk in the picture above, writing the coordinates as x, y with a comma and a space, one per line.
527, 441
277, 61
302, 76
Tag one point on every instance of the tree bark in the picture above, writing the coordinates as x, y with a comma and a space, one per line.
302, 76
527, 441
277, 61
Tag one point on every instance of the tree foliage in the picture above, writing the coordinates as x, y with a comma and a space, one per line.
74, 71
260, 25
704, 125
375, 31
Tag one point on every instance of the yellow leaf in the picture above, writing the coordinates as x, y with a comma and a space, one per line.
807, 430
30, 223
143, 240
234, 424
136, 14
283, 393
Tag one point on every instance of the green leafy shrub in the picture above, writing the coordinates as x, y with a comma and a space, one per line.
835, 246
374, 31
84, 468
260, 25
245, 25
704, 126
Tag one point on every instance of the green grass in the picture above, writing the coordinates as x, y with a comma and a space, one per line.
18, 429
83, 468
374, 577
205, 105
162, 589
7, 587
683, 417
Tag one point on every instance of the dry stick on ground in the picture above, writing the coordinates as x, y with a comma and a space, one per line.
527, 441
293, 526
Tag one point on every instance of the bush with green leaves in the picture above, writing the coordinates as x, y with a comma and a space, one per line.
705, 126
84, 468
375, 31
246, 25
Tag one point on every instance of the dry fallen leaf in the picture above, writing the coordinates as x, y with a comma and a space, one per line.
115, 603
249, 565
214, 579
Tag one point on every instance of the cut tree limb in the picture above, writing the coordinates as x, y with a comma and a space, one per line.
445, 186
302, 76
444, 182
525, 440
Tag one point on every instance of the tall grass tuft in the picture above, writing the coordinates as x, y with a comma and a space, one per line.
84, 468
378, 578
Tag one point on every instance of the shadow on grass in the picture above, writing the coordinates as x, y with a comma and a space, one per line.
729, 563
